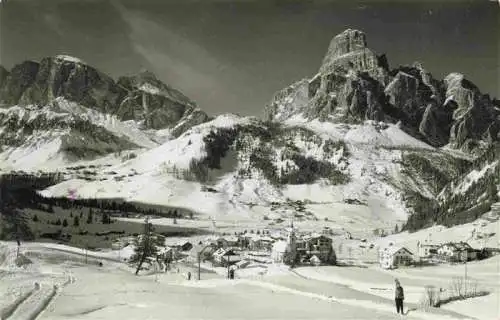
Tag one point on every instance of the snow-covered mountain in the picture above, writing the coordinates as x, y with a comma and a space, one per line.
357, 141
141, 97
243, 168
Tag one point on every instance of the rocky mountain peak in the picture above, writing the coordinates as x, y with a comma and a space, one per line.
69, 59
142, 97
348, 41
348, 50
354, 85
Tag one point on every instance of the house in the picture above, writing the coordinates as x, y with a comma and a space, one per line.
426, 250
244, 240
166, 254
227, 242
258, 243
457, 251
225, 257
317, 245
183, 245
242, 264
232, 241
222, 243
204, 251
488, 252
394, 256
278, 251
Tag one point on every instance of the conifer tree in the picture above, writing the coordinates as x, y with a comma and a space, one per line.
76, 221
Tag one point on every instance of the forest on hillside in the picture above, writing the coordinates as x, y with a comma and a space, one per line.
458, 207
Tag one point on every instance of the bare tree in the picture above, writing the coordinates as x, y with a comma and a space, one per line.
457, 287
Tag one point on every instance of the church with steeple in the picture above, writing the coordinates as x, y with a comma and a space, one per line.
291, 247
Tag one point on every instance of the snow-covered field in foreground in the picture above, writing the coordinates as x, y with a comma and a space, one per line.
113, 292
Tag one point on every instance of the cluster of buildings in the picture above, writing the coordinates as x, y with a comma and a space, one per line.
397, 256
454, 252
289, 247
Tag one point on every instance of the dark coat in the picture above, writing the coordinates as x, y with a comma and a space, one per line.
399, 292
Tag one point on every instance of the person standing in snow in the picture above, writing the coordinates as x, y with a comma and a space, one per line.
399, 297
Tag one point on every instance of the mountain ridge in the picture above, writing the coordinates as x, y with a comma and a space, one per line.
141, 97
354, 84
358, 138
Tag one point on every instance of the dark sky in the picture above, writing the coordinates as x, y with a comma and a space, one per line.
232, 56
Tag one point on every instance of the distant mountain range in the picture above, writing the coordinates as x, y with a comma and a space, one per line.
357, 141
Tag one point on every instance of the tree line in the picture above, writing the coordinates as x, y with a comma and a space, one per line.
21, 190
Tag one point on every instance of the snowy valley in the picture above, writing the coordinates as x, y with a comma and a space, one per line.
360, 155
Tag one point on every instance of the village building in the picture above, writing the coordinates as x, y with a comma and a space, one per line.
166, 254
261, 243
457, 251
394, 257
203, 252
297, 250
426, 249
182, 245
227, 242
278, 251
221, 243
242, 264
244, 240
225, 257
317, 245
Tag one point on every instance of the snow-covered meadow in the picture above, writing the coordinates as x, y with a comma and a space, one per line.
87, 291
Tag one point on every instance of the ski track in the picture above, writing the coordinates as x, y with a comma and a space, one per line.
350, 302
388, 307
34, 304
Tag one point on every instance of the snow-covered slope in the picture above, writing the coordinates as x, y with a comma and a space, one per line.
366, 160
54, 135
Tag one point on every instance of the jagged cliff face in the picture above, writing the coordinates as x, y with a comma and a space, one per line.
142, 97
61, 110
349, 50
160, 105
354, 84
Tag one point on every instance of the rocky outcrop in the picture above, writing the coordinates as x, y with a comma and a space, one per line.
354, 84
436, 122
159, 105
75, 81
142, 97
290, 101
349, 50
189, 120
475, 119
3, 75
20, 78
